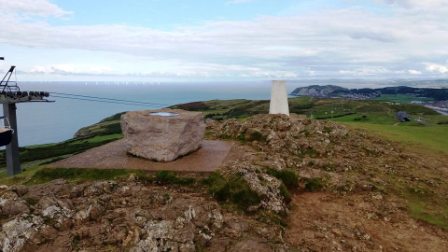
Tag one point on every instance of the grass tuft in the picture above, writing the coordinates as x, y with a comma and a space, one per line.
419, 210
74, 174
287, 176
285, 193
170, 178
313, 184
234, 189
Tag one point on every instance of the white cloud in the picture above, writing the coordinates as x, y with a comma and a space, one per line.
365, 71
268, 37
68, 69
31, 7
414, 72
176, 69
332, 42
437, 68
424, 4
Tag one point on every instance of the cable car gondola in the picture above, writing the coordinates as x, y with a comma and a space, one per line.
6, 88
6, 132
5, 135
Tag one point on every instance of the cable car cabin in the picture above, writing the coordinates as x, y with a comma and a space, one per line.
5, 136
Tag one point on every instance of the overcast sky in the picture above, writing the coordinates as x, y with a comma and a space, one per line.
191, 40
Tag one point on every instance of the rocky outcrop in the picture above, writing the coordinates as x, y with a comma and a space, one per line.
266, 186
313, 149
18, 231
162, 137
128, 216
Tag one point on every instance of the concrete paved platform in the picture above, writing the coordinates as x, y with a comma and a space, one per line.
113, 156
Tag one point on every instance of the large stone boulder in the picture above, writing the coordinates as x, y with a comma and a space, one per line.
162, 135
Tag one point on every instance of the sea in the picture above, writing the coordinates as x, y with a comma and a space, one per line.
50, 122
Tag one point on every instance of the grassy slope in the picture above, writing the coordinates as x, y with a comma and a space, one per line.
434, 138
72, 146
35, 157
378, 117
401, 98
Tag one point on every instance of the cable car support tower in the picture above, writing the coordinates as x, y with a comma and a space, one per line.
10, 95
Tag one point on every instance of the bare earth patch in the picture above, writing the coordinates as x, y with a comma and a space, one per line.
360, 222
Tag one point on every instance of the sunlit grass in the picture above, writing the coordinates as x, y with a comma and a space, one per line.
423, 211
434, 138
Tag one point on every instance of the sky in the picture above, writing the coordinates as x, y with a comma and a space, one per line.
234, 40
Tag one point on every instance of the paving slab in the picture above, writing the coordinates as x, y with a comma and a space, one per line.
113, 156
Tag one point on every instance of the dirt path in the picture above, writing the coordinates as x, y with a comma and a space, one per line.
362, 222
113, 156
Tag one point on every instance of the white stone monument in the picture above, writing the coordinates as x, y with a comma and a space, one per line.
279, 98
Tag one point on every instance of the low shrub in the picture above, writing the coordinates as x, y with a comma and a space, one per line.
287, 176
234, 189
193, 106
361, 118
285, 193
254, 135
313, 184
272, 218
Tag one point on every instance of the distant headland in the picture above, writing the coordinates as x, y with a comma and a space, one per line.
332, 91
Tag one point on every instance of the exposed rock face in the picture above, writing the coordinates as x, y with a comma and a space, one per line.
160, 137
316, 150
128, 216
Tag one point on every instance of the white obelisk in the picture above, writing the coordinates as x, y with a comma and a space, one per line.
279, 98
